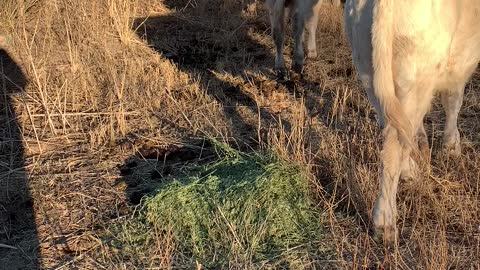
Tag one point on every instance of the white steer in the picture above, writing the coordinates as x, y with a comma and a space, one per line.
405, 52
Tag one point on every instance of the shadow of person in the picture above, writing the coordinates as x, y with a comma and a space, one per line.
18, 233
212, 41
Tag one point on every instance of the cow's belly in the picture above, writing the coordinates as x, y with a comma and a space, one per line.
421, 44
436, 42
419, 59
463, 59
436, 66
456, 75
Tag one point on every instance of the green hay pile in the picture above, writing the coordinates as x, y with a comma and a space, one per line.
242, 210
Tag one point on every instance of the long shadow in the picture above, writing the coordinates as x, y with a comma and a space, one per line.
18, 234
204, 43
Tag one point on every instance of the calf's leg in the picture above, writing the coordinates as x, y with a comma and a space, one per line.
385, 209
298, 29
452, 101
277, 20
397, 162
422, 139
312, 24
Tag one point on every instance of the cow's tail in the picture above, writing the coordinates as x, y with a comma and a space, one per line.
384, 89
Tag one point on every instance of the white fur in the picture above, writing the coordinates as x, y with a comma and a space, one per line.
406, 51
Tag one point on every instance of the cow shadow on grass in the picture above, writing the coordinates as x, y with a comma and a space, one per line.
212, 42
18, 232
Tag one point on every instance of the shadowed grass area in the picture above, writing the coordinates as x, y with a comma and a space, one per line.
243, 209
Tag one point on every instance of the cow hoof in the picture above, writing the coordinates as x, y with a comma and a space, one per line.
282, 74
296, 77
452, 149
451, 145
386, 235
312, 54
384, 220
298, 68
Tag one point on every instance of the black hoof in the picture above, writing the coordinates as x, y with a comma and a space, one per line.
282, 75
297, 68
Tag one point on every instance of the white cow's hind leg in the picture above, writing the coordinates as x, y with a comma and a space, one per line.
277, 19
452, 101
396, 158
409, 169
312, 30
385, 210
409, 165
298, 28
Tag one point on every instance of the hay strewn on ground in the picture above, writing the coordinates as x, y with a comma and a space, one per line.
241, 210
119, 95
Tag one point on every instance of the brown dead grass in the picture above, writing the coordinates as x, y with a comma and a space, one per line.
113, 79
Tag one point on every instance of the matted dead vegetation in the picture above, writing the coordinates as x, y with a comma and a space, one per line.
109, 88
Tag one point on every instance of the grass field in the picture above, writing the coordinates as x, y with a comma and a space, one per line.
103, 101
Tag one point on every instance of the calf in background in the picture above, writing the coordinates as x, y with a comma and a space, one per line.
304, 15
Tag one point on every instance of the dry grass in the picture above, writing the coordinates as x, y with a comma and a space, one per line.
120, 80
